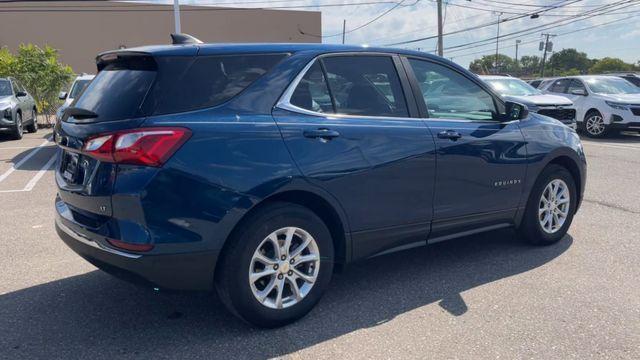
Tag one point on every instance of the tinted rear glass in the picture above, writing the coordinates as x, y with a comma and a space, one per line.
186, 84
117, 92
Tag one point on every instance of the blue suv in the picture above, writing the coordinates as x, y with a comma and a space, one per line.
259, 169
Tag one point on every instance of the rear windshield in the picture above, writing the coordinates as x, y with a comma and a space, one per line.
119, 88
129, 89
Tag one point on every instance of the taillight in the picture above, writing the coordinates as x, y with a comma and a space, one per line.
145, 146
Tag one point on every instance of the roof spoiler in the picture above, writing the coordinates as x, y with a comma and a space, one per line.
181, 39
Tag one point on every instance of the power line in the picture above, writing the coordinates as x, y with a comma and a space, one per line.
536, 40
397, 5
477, 26
584, 16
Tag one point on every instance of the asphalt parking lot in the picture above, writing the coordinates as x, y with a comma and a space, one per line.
486, 296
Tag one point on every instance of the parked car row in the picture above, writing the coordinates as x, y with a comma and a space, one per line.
514, 89
602, 103
17, 109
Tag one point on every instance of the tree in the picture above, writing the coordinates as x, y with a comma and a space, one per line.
609, 65
569, 59
529, 65
42, 74
7, 62
486, 64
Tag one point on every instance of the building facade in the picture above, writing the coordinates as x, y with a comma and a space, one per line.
82, 29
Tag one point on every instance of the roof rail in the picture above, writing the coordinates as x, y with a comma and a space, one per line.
181, 39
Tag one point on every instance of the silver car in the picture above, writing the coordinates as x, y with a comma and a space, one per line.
77, 87
17, 109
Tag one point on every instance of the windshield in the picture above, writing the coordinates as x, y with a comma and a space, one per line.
513, 87
5, 88
611, 86
77, 88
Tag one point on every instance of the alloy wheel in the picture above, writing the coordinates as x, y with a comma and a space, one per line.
284, 267
595, 125
554, 206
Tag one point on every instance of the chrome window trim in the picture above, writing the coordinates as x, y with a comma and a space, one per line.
285, 100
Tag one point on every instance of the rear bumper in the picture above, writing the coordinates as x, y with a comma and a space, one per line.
185, 271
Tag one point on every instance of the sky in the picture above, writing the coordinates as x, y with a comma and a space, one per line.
616, 34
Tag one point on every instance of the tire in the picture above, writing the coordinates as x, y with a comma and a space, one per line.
33, 127
238, 261
532, 228
17, 130
594, 126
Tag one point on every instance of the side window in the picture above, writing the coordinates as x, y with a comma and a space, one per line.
365, 85
560, 86
576, 85
312, 92
186, 84
15, 87
449, 94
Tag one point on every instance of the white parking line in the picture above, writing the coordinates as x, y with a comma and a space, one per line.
40, 173
23, 160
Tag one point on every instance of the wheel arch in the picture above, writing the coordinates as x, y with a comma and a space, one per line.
589, 111
325, 209
573, 168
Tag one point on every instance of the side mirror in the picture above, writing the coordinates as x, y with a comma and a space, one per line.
62, 95
516, 111
21, 94
581, 92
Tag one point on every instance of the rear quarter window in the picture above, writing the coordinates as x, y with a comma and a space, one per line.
188, 83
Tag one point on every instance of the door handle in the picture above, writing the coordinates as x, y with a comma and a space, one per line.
322, 134
449, 134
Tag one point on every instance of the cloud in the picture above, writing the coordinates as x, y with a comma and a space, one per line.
415, 19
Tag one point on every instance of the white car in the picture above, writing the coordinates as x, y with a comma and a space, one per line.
514, 89
78, 85
603, 103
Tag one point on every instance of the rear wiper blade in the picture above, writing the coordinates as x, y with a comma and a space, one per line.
80, 113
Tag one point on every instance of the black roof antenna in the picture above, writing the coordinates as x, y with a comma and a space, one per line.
181, 39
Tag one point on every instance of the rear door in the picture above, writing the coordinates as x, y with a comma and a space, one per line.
349, 123
481, 162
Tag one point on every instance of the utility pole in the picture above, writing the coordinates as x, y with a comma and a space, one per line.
497, 69
176, 15
344, 29
546, 46
517, 63
440, 49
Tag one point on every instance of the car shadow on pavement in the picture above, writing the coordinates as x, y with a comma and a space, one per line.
39, 158
95, 315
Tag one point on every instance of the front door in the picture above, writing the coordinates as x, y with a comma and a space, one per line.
350, 130
480, 161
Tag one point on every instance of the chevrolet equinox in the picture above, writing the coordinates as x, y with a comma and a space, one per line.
255, 170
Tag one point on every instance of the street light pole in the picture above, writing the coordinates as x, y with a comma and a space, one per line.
497, 38
176, 15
